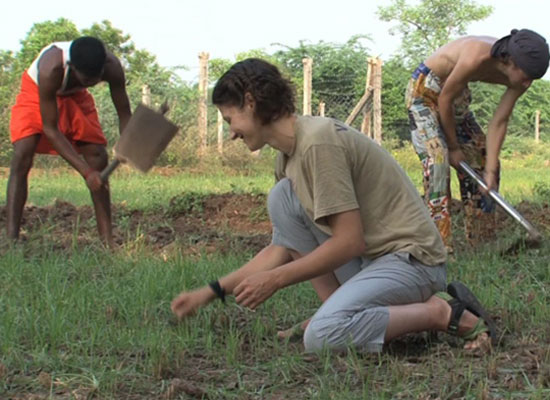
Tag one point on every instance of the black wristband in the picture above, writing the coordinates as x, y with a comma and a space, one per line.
216, 288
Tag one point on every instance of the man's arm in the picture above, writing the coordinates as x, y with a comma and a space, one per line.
454, 85
497, 131
114, 76
51, 77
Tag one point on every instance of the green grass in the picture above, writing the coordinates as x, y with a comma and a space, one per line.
136, 190
520, 176
99, 323
85, 323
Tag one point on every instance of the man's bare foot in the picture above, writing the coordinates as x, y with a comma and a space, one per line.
296, 331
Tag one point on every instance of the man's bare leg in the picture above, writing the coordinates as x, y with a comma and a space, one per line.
17, 191
96, 156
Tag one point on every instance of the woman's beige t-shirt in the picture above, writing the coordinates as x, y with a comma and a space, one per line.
334, 168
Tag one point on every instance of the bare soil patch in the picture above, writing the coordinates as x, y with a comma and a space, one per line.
216, 222
221, 223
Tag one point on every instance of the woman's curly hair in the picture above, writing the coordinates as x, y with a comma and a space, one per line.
273, 94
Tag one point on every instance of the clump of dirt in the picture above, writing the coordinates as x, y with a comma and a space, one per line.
504, 234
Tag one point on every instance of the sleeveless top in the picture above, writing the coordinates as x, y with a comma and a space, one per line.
64, 47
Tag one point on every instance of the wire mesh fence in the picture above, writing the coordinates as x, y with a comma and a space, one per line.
335, 96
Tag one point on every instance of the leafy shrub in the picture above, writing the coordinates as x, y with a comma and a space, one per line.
186, 203
542, 190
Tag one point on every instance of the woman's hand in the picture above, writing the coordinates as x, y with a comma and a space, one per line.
187, 303
256, 289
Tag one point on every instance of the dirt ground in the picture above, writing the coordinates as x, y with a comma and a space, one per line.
208, 223
204, 223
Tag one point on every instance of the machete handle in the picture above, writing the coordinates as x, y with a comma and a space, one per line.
164, 107
109, 169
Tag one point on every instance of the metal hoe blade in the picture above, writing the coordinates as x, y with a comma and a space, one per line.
145, 137
533, 232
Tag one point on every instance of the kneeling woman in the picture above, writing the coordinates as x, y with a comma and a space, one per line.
346, 217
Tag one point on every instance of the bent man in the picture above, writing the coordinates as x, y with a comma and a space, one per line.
55, 114
444, 131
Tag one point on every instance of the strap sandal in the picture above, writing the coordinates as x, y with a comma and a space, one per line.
477, 330
460, 292
457, 309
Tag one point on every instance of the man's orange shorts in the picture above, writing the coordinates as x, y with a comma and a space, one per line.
77, 117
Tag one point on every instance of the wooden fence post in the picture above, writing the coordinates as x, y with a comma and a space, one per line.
203, 95
367, 123
365, 102
146, 95
367, 113
537, 126
308, 67
220, 132
322, 108
377, 100
359, 106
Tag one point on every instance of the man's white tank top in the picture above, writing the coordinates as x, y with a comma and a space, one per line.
64, 47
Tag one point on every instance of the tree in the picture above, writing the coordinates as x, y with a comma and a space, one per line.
217, 67
8, 89
523, 118
430, 24
117, 42
395, 121
40, 35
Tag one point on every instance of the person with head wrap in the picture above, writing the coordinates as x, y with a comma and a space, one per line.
527, 49
444, 131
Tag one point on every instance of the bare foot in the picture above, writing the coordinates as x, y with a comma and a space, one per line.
296, 331
481, 344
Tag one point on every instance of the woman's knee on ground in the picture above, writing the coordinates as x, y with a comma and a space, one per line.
342, 330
